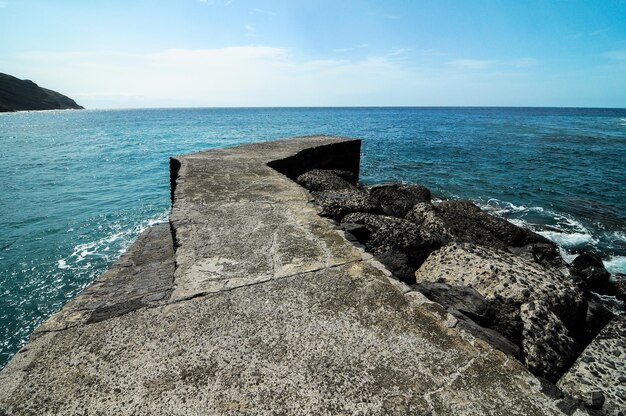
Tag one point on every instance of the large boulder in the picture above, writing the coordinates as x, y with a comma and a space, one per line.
548, 346
325, 180
396, 242
507, 282
338, 203
589, 269
598, 377
431, 225
468, 223
465, 222
397, 199
546, 254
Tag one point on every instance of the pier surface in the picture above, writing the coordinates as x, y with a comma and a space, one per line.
248, 302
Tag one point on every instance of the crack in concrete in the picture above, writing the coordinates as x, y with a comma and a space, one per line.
261, 281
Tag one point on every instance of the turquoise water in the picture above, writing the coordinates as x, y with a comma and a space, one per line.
78, 186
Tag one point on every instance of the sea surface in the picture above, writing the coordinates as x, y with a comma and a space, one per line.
79, 186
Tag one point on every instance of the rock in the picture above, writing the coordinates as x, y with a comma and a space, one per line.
324, 180
388, 234
507, 282
21, 95
344, 174
590, 269
340, 202
462, 298
548, 347
620, 286
493, 338
398, 264
545, 254
598, 316
465, 222
596, 373
432, 226
397, 199
469, 224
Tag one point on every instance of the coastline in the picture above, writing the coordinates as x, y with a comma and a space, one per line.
320, 287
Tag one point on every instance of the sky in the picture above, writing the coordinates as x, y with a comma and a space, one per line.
216, 53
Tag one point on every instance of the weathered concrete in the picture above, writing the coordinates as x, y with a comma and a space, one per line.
263, 308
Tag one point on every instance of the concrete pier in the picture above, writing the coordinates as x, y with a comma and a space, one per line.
248, 302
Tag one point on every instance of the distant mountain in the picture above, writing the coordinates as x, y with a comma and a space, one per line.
20, 95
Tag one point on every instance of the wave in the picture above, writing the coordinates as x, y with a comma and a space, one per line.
109, 247
615, 264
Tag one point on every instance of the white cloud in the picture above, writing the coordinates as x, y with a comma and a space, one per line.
524, 62
617, 55
244, 75
471, 63
257, 75
250, 30
491, 63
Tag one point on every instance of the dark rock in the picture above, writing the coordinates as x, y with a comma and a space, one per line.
397, 199
469, 224
356, 232
395, 234
344, 174
462, 298
620, 286
340, 202
590, 269
21, 95
598, 316
493, 338
550, 389
545, 254
597, 400
465, 222
387, 233
398, 264
431, 225
323, 180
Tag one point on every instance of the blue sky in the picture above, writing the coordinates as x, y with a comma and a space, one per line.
170, 53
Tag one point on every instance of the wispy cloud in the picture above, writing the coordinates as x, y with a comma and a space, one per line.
578, 35
392, 16
471, 63
263, 11
250, 30
616, 55
523, 62
490, 63
351, 48
399, 51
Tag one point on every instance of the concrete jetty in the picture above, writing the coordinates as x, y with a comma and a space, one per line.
248, 302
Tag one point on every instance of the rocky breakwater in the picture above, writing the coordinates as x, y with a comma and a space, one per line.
502, 283
248, 302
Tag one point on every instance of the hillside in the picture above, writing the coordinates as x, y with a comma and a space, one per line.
21, 95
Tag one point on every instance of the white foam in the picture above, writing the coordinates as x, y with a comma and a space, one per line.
569, 239
102, 247
616, 264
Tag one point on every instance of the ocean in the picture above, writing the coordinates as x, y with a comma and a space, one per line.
79, 186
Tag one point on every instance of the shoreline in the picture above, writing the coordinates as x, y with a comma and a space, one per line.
294, 291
